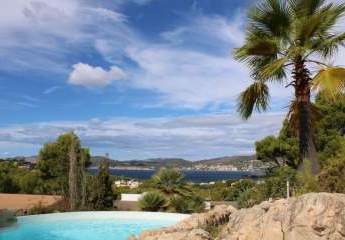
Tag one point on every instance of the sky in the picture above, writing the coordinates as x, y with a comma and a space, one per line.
133, 78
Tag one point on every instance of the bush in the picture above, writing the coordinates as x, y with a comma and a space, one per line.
307, 182
193, 204
196, 204
30, 183
152, 201
332, 177
178, 204
237, 188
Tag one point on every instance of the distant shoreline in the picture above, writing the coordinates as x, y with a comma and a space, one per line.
197, 176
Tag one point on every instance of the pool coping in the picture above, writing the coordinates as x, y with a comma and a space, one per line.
116, 215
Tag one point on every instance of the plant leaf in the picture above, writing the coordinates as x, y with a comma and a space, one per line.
331, 81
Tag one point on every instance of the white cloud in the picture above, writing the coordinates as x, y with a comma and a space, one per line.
40, 35
188, 78
195, 137
51, 90
211, 30
89, 76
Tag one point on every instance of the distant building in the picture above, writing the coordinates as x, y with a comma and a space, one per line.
127, 183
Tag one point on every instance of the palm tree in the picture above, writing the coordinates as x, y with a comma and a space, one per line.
169, 181
286, 41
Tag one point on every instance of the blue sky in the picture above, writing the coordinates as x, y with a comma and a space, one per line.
133, 78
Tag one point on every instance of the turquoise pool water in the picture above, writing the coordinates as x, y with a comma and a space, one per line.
87, 225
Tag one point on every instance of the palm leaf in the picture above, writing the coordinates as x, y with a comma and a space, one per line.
330, 80
255, 97
273, 68
328, 46
272, 17
305, 7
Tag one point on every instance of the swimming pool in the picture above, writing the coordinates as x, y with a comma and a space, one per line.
87, 225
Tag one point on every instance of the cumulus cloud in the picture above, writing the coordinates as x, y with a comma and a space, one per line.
89, 76
126, 138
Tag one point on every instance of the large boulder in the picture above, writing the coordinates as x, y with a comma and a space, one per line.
314, 216
192, 228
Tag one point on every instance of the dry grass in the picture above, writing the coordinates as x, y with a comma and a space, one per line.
26, 201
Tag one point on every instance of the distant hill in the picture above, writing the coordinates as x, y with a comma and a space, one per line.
233, 160
241, 162
155, 162
238, 161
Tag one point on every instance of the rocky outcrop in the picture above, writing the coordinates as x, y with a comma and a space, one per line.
313, 216
193, 228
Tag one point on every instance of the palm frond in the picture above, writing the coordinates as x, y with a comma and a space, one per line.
327, 47
305, 7
272, 17
317, 25
331, 81
257, 46
255, 97
274, 69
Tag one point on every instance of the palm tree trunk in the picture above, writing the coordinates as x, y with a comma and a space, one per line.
72, 178
305, 132
83, 180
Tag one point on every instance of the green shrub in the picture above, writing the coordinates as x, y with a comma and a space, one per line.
191, 204
332, 177
152, 201
307, 182
237, 188
178, 204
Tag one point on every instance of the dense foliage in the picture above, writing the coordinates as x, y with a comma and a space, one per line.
152, 201
281, 150
100, 192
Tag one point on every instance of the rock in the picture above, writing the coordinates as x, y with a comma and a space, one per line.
7, 218
192, 228
195, 234
314, 216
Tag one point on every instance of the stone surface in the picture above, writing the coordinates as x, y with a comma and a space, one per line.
192, 228
7, 218
313, 216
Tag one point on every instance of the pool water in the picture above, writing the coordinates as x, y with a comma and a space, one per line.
87, 225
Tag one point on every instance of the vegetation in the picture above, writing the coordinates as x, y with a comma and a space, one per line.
101, 193
169, 181
330, 147
62, 164
287, 38
152, 201
191, 204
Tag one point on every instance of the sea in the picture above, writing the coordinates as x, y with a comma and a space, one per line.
196, 176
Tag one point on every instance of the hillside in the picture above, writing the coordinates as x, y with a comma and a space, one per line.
237, 161
241, 162
152, 163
